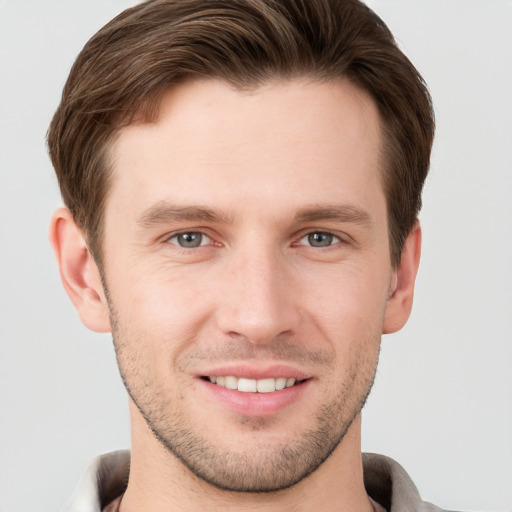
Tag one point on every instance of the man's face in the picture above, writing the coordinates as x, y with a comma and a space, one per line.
246, 241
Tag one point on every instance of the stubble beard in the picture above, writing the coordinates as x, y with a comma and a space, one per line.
268, 468
260, 470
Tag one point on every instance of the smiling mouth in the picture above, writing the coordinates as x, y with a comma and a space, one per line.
244, 385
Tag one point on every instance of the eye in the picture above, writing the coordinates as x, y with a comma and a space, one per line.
190, 239
320, 239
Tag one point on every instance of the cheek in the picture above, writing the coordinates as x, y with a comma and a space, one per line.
349, 314
348, 296
161, 298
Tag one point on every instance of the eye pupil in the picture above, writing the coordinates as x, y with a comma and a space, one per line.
190, 239
320, 239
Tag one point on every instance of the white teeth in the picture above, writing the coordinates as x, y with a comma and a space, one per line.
230, 382
247, 385
280, 383
253, 385
265, 385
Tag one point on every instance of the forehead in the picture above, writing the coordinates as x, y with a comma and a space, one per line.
283, 142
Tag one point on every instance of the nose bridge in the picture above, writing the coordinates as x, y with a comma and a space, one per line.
258, 297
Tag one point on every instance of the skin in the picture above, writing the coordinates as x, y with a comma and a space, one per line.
272, 165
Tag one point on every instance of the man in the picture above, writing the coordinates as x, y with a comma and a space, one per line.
242, 182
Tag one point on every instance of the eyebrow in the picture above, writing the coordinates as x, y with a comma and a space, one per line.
164, 213
343, 213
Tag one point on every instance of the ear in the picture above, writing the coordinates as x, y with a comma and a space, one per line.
399, 305
78, 271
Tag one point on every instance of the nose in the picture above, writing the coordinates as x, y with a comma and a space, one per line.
258, 302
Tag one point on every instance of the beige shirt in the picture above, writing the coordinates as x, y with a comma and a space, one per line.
104, 481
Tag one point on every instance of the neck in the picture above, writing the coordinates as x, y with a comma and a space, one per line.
160, 482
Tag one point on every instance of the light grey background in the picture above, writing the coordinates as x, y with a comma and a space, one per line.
442, 404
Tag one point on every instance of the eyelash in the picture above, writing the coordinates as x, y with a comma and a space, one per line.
181, 233
334, 239
331, 237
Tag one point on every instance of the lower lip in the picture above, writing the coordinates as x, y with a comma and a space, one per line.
256, 404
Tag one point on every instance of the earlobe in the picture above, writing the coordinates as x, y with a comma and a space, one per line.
399, 305
79, 272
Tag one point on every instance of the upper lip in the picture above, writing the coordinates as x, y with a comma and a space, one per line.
246, 371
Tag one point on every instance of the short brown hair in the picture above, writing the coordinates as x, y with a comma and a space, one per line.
124, 69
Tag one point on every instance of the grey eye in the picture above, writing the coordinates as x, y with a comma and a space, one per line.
189, 240
320, 239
